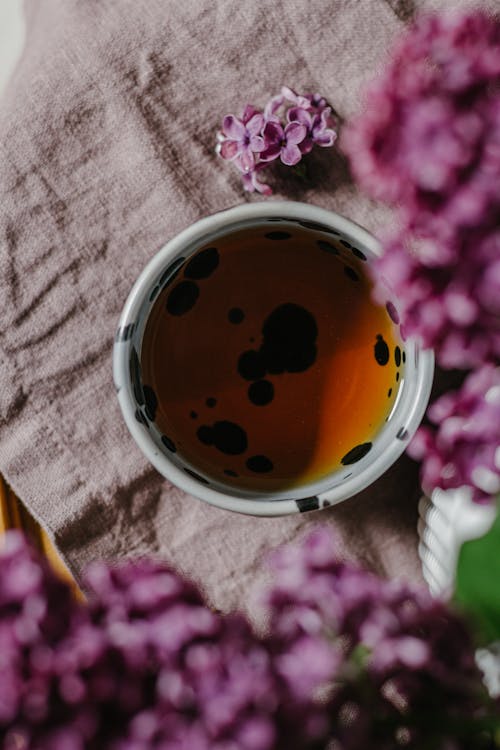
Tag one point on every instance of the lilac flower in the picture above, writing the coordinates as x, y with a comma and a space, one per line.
463, 448
283, 142
404, 654
146, 665
37, 613
430, 124
251, 183
242, 138
258, 138
314, 102
319, 127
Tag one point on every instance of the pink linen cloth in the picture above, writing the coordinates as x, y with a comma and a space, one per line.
107, 137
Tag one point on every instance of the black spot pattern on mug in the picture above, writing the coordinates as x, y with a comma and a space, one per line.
182, 298
389, 393
211, 402
402, 433
358, 253
151, 402
351, 273
346, 244
397, 356
135, 377
259, 464
392, 312
261, 392
168, 443
356, 454
278, 235
327, 247
227, 437
203, 264
141, 418
236, 315
397, 377
306, 504
125, 333
381, 351
154, 293
196, 476
193, 415
404, 356
317, 227
170, 273
230, 473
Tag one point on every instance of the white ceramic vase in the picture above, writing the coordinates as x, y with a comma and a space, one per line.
446, 520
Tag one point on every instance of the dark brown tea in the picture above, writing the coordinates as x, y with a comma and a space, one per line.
266, 363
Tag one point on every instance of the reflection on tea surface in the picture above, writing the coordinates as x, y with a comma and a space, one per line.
268, 363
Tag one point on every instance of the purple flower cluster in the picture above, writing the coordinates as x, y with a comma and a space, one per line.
146, 665
429, 143
455, 309
401, 664
37, 615
463, 447
257, 138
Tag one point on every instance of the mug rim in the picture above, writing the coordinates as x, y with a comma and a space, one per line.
301, 499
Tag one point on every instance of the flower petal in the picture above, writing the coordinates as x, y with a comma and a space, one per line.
318, 102
299, 114
233, 128
306, 145
257, 144
251, 183
255, 124
295, 133
292, 96
245, 161
327, 138
272, 106
261, 187
248, 181
289, 94
229, 149
273, 133
328, 120
290, 154
271, 152
248, 113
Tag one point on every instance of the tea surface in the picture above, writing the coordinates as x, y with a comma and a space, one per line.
266, 361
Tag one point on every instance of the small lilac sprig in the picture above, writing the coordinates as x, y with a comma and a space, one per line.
288, 128
462, 447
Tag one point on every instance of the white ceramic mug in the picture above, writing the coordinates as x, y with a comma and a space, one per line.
404, 418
